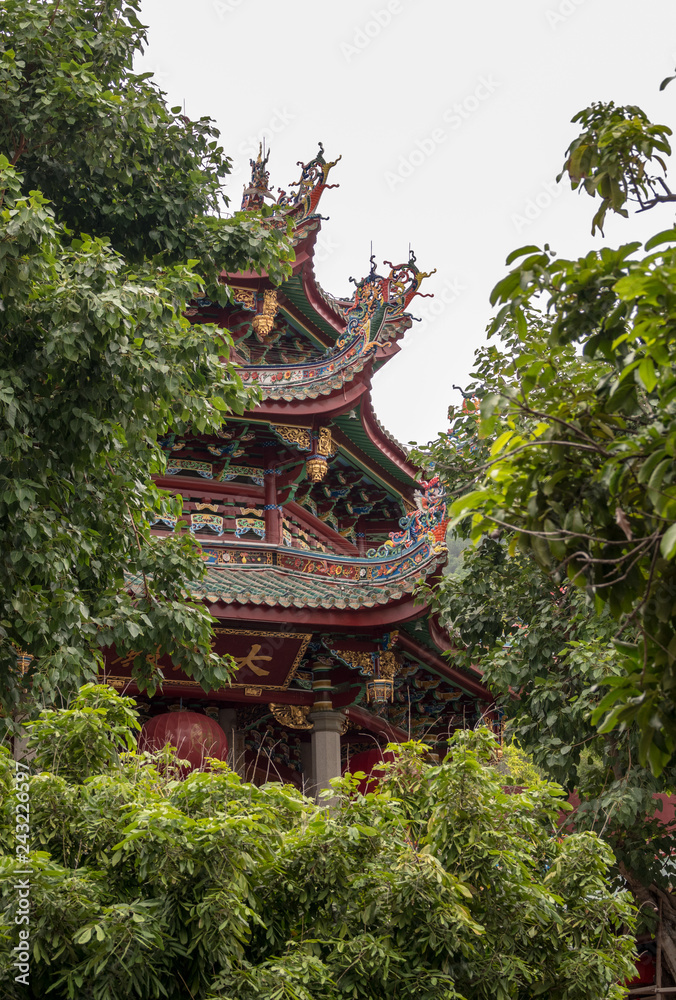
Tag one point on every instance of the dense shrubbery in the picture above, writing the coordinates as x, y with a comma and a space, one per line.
438, 886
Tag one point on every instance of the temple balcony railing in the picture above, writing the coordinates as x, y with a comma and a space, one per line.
231, 522
239, 518
421, 559
411, 565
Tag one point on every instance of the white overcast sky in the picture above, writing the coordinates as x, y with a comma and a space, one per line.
452, 119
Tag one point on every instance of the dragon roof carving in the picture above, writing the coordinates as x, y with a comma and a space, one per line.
376, 315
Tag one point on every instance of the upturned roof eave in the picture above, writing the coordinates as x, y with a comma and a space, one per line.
385, 442
335, 402
337, 619
322, 310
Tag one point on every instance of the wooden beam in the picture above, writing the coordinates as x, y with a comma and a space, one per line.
374, 724
650, 991
441, 666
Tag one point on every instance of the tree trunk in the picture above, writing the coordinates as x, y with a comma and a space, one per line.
20, 743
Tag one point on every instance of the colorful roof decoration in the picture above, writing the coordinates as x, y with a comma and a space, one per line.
301, 204
309, 514
428, 523
359, 328
374, 319
264, 574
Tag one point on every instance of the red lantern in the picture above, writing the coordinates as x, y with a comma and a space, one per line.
368, 761
195, 736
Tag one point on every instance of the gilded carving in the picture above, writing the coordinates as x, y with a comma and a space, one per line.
265, 320
324, 442
293, 716
299, 437
389, 665
388, 662
244, 297
357, 658
317, 468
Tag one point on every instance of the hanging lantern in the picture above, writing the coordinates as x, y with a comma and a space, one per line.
194, 736
380, 690
23, 660
317, 468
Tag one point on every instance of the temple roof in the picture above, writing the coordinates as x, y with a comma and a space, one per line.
280, 587
371, 437
297, 296
344, 336
369, 533
376, 318
287, 576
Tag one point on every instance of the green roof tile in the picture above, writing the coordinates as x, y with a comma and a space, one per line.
273, 586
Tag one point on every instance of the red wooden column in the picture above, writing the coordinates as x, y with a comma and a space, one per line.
273, 512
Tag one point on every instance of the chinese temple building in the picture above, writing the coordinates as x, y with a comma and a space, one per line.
315, 527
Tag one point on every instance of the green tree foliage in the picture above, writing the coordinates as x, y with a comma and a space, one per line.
611, 155
579, 408
547, 650
109, 226
517, 765
547, 655
567, 601
439, 886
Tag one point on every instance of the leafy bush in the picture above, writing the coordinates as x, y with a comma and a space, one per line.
437, 886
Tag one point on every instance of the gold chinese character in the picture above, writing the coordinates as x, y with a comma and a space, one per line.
132, 655
248, 660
